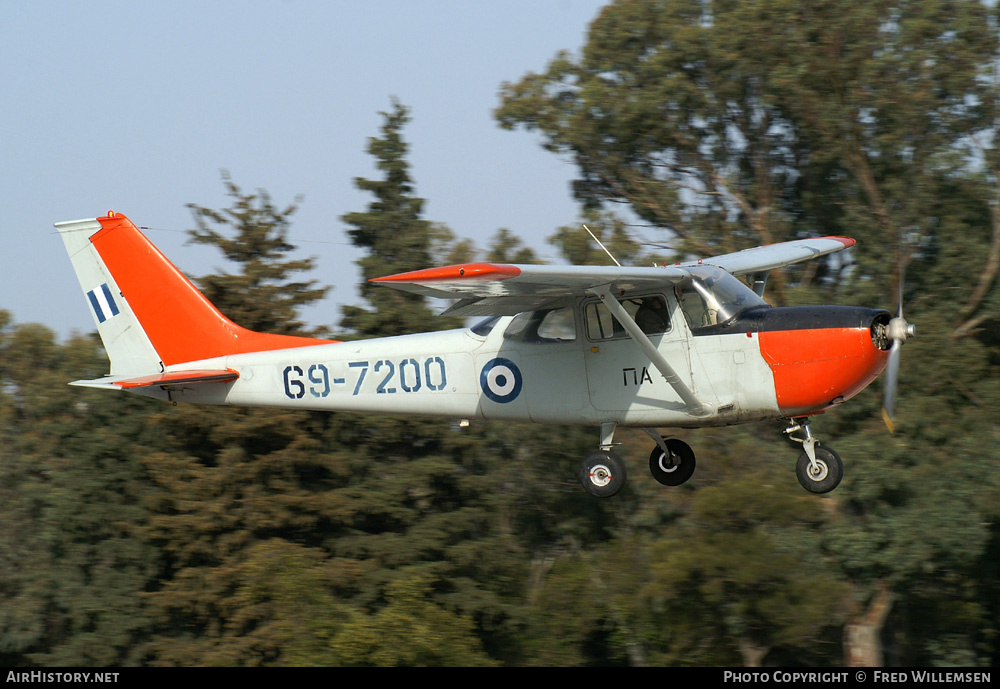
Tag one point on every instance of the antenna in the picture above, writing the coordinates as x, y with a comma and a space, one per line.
602, 246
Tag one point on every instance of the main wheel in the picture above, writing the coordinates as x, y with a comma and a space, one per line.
675, 467
825, 476
603, 474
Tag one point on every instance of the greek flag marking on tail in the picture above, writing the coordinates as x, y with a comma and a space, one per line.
103, 303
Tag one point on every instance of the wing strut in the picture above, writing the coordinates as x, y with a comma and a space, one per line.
694, 405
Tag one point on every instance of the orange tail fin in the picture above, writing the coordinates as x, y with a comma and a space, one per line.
145, 308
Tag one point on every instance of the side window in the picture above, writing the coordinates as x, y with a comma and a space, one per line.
544, 325
649, 313
601, 325
558, 324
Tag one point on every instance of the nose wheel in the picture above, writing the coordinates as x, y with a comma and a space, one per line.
819, 469
820, 476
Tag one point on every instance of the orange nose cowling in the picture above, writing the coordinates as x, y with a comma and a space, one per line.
815, 369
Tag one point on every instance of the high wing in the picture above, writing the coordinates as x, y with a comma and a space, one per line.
763, 259
501, 289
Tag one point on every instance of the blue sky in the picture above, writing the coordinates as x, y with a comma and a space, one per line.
138, 106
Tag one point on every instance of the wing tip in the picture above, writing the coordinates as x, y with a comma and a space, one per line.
462, 271
846, 241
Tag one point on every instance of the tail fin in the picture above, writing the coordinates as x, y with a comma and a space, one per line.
148, 314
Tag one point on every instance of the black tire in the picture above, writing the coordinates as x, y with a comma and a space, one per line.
603, 474
675, 469
830, 471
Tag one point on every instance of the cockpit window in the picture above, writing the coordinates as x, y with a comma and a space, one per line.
714, 296
543, 325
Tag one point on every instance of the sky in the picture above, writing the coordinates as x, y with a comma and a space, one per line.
138, 107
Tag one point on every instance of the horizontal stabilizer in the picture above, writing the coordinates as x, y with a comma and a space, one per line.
171, 379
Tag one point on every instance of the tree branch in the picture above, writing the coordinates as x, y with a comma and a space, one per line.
986, 278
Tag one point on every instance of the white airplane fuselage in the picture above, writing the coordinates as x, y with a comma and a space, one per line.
463, 375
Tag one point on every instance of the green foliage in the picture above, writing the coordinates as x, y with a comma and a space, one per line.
231, 487
253, 233
736, 124
577, 246
70, 496
409, 630
395, 235
506, 247
748, 562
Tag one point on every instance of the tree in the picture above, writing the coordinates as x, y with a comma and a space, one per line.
72, 500
577, 246
253, 233
741, 578
731, 124
410, 630
663, 114
506, 247
397, 238
233, 489
736, 124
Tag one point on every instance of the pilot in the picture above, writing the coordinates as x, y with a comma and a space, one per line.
651, 316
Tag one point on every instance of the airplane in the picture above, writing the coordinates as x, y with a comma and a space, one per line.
687, 345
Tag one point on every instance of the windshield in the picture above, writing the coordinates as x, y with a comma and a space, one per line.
714, 296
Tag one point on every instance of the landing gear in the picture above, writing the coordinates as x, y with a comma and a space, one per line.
672, 465
603, 474
821, 475
819, 469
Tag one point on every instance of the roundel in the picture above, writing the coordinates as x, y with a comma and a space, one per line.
501, 380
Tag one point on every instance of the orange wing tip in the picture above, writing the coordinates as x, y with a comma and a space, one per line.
465, 271
846, 241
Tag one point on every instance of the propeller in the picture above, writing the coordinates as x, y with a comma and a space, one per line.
899, 331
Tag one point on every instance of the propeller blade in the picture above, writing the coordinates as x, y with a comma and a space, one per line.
899, 331
891, 378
